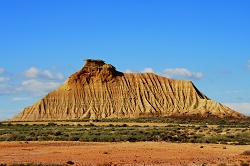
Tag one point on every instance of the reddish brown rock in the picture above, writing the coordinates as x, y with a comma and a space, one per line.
99, 91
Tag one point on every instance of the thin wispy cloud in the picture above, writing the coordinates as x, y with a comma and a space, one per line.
35, 73
241, 107
3, 77
59, 76
6, 89
8, 113
37, 87
248, 65
182, 73
1, 70
20, 98
39, 82
172, 73
5, 116
128, 71
147, 70
231, 92
33, 82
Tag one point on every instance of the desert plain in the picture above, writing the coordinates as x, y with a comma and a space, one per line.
122, 153
92, 153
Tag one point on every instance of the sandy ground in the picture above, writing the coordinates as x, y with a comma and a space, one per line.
122, 153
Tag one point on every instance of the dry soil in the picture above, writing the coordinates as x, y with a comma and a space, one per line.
122, 153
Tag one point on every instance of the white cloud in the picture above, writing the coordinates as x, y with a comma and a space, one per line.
240, 107
147, 70
37, 87
35, 82
172, 73
129, 71
182, 72
39, 82
34, 73
31, 72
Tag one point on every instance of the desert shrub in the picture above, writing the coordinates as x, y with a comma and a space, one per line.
57, 133
9, 124
29, 139
16, 137
74, 138
111, 125
105, 164
244, 164
70, 162
222, 164
132, 139
32, 134
89, 125
106, 138
84, 139
51, 124
247, 152
124, 125
197, 128
94, 139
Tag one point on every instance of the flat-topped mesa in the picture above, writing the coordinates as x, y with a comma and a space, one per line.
99, 91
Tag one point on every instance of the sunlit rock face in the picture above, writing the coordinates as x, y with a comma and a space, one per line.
99, 91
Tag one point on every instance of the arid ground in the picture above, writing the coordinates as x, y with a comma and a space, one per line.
122, 153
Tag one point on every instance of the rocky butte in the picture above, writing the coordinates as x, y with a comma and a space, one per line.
99, 91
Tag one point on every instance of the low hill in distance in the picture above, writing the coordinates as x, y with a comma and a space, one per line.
98, 91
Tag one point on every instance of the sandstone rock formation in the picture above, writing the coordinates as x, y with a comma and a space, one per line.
99, 91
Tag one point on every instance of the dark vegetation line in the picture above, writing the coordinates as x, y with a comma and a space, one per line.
177, 119
195, 131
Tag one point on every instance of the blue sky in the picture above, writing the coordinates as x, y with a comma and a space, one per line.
43, 42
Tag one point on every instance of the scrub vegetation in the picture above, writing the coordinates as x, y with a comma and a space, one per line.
172, 130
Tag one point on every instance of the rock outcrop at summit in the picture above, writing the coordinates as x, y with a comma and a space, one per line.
99, 91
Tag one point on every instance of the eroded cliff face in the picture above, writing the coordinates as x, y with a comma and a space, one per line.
99, 91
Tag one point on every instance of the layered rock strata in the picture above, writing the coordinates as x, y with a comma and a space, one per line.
99, 91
